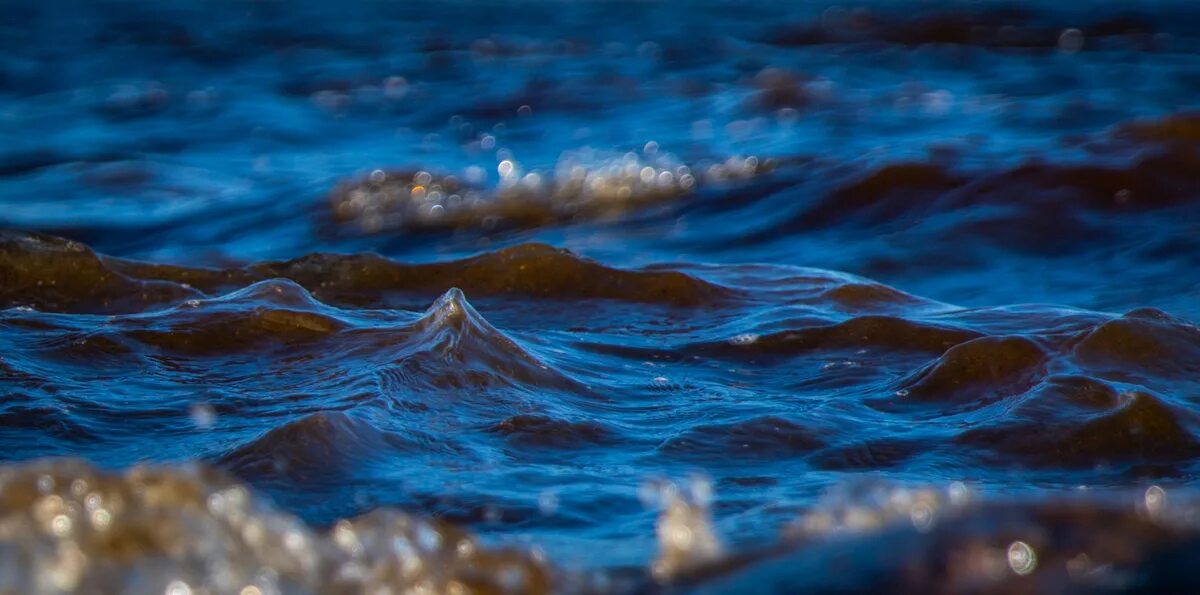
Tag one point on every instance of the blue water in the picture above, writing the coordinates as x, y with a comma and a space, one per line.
917, 242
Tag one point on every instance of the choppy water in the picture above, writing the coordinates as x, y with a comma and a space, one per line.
714, 297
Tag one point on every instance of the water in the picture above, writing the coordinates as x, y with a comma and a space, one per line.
644, 296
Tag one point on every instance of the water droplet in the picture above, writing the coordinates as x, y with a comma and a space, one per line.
548, 503
921, 515
959, 493
474, 174
1021, 558
60, 525
203, 415
1071, 41
101, 519
428, 538
1156, 499
178, 588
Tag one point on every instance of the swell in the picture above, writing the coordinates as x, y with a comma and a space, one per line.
904, 191
268, 313
1137, 174
828, 384
1002, 28
886, 333
1001, 366
1073, 422
321, 449
56, 274
452, 346
1112, 394
60, 275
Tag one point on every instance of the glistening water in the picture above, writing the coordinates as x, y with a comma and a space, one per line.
599, 297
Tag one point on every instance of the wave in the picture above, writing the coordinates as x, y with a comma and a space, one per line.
318, 449
51, 273
1004, 27
453, 346
55, 274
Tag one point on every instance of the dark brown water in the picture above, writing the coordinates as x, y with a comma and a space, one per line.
599, 297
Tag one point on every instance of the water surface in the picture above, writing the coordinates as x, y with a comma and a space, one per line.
683, 296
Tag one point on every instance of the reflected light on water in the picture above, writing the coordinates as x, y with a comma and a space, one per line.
1021, 558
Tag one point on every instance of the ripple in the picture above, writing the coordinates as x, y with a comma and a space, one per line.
542, 431
1146, 342
453, 346
533, 270
1179, 129
246, 320
885, 333
883, 453
884, 194
761, 437
1004, 27
978, 371
320, 448
1085, 423
56, 274
50, 273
